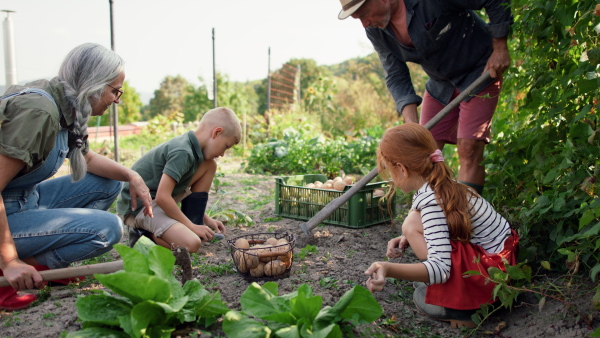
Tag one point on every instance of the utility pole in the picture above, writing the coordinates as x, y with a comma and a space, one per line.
9, 51
214, 71
269, 80
115, 113
268, 112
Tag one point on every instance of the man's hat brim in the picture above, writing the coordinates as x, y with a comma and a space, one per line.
346, 13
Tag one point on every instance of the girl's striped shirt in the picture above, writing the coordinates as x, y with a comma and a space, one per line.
489, 230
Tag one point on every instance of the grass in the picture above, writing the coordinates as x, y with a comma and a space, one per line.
329, 283
12, 320
405, 291
205, 268
351, 253
326, 257
48, 316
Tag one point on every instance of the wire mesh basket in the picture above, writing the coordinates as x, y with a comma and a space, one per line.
263, 256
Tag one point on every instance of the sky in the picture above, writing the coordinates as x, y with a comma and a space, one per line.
174, 37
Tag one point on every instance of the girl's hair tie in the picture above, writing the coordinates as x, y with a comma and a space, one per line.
436, 156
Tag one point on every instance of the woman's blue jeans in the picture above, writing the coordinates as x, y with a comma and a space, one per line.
58, 222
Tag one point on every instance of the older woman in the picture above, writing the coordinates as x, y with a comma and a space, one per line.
52, 223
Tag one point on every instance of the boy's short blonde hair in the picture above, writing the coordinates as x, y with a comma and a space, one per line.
224, 118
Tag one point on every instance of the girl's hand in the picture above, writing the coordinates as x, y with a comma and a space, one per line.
396, 247
377, 274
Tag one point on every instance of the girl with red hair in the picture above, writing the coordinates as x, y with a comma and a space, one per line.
450, 228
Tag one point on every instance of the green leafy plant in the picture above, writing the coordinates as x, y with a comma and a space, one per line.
149, 300
298, 314
516, 280
329, 283
307, 250
217, 184
228, 215
544, 163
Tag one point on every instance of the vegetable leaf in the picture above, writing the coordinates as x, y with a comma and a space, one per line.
102, 308
236, 325
98, 332
146, 287
133, 260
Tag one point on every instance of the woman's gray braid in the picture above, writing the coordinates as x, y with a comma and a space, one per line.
84, 74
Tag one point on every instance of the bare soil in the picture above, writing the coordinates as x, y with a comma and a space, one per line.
343, 254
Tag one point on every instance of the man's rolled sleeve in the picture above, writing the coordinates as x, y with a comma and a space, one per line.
500, 30
500, 18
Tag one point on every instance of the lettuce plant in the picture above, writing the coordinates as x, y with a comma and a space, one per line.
297, 314
149, 300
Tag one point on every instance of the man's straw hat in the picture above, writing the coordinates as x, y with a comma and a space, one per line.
349, 7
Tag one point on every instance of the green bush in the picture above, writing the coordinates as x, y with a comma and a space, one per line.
543, 166
297, 154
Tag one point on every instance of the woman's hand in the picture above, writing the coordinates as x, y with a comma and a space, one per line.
396, 247
138, 189
22, 276
377, 274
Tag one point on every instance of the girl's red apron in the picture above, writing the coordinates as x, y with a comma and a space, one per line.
467, 293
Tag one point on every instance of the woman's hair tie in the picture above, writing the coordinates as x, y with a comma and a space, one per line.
76, 140
436, 156
79, 142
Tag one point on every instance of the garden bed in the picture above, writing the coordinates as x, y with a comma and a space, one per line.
331, 262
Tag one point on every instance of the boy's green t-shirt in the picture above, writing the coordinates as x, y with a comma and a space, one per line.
179, 158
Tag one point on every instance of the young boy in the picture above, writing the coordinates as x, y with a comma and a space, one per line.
182, 170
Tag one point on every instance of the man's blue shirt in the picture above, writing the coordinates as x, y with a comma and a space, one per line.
450, 42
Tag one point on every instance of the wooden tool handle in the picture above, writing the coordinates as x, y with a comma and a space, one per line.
77, 271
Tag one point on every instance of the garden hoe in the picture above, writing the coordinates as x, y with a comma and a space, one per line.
309, 225
182, 258
78, 271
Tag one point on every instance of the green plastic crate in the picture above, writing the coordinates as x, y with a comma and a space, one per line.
294, 200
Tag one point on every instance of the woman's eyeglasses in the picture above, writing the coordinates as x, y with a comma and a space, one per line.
118, 92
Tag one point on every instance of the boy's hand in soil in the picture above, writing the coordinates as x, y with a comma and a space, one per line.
203, 231
217, 226
377, 274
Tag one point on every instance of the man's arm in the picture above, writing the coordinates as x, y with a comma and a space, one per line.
410, 113
499, 13
499, 61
